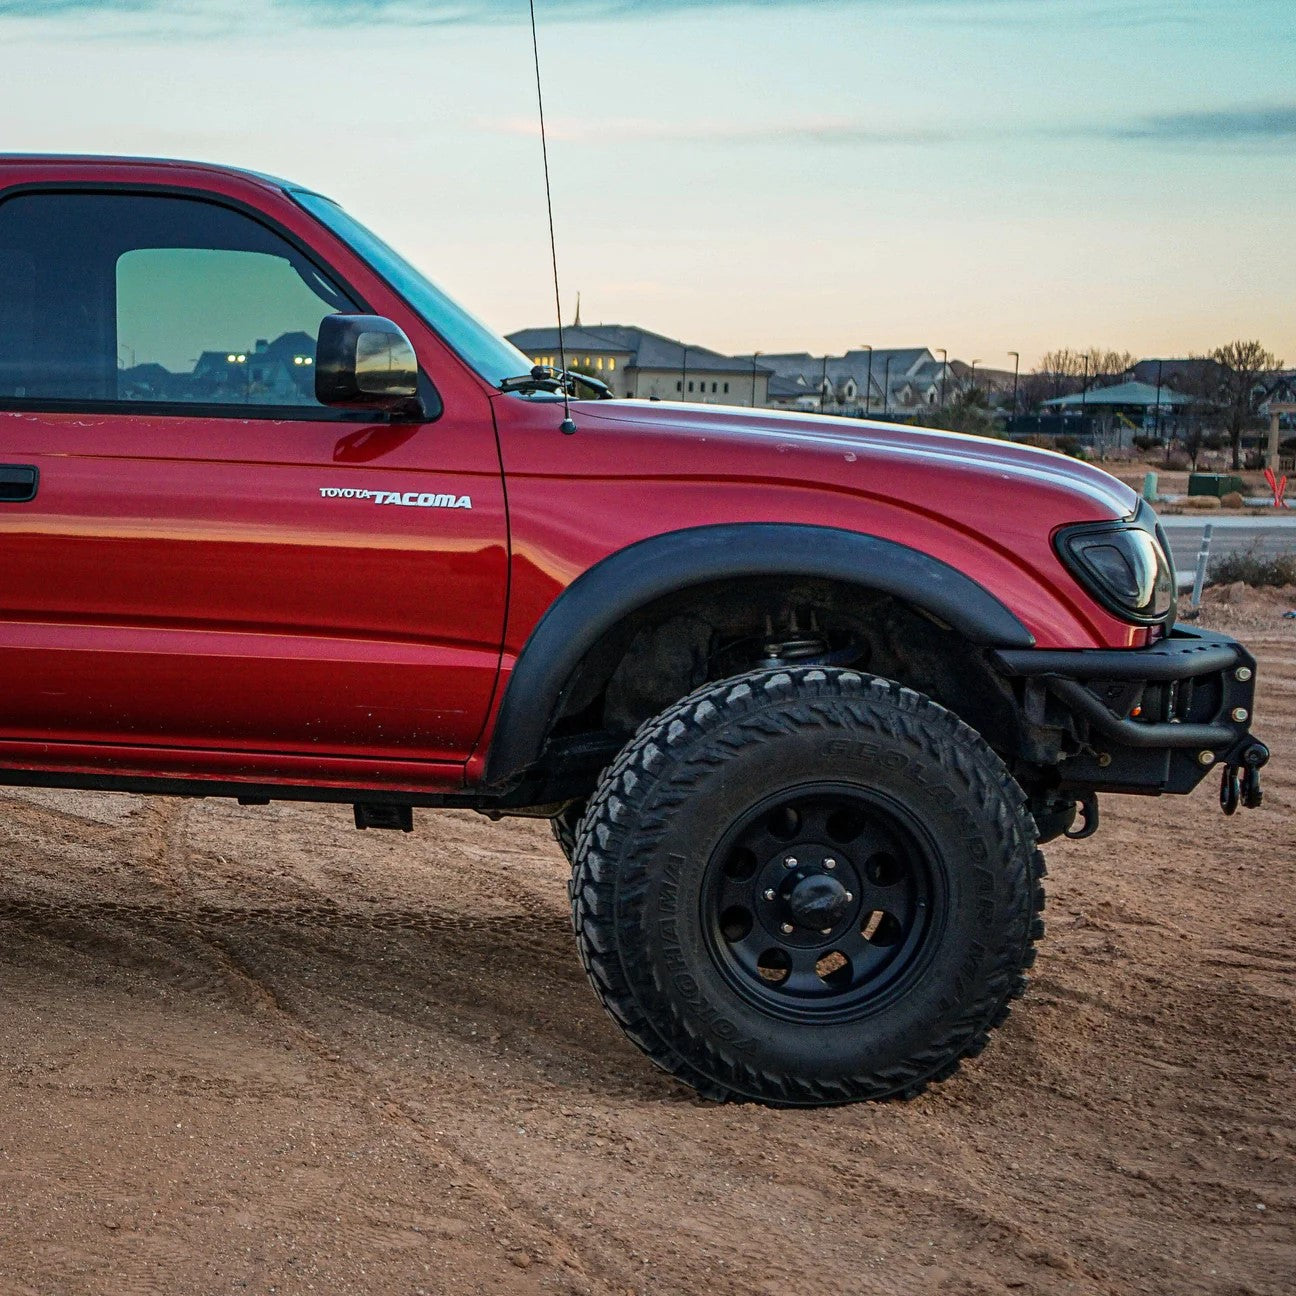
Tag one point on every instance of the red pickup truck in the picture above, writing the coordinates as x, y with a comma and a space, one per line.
800, 695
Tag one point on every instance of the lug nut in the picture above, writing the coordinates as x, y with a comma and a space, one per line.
1240, 714
790, 862
850, 895
769, 893
830, 863
1242, 674
827, 931
1205, 758
787, 929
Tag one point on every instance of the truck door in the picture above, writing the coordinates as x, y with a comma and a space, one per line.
198, 559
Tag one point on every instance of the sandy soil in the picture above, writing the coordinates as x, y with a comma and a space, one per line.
254, 1051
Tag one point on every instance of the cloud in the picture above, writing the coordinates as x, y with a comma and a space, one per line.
201, 14
825, 131
1266, 126
405, 12
1274, 124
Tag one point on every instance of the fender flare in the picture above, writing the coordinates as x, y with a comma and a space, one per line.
633, 577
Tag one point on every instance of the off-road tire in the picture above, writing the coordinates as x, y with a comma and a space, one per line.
660, 814
565, 827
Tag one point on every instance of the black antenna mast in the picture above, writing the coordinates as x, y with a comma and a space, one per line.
568, 426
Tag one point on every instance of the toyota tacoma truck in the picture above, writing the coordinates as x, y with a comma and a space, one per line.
800, 695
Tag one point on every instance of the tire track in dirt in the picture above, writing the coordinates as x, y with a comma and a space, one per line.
165, 859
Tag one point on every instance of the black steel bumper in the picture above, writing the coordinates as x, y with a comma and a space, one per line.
1149, 720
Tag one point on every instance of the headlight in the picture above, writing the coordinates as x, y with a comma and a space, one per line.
1125, 565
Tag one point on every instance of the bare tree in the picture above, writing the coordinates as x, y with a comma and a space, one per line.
1063, 372
1108, 364
1246, 366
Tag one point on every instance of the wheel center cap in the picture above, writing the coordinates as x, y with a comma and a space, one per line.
818, 902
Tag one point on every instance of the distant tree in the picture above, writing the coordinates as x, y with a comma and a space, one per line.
1108, 364
1063, 372
969, 412
1246, 366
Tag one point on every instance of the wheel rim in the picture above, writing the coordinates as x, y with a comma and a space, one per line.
823, 903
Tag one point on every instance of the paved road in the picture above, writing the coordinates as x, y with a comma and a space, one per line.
1268, 536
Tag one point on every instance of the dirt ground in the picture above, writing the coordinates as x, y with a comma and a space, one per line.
255, 1051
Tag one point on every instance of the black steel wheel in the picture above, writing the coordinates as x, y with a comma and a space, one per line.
822, 901
807, 886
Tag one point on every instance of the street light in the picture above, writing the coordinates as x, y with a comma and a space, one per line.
944, 355
823, 384
1084, 409
972, 374
755, 356
683, 371
239, 358
886, 390
868, 382
1016, 369
1158, 406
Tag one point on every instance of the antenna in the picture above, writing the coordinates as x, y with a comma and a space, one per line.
568, 426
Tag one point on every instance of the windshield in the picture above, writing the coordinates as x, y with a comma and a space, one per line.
490, 355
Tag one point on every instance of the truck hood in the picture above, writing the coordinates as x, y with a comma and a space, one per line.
894, 447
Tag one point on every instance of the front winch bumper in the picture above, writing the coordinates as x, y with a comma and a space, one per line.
1147, 720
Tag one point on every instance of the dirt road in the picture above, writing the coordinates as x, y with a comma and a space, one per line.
252, 1050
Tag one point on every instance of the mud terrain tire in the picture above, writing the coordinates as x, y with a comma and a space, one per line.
875, 793
565, 827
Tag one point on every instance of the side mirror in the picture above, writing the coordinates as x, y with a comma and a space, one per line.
365, 362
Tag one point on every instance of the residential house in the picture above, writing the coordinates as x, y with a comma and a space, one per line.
638, 363
901, 382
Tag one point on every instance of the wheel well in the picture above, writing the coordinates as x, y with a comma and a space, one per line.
675, 644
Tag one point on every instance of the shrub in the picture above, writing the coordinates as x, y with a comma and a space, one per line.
1204, 503
1232, 500
1177, 461
1254, 569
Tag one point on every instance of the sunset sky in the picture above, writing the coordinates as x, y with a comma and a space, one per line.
982, 175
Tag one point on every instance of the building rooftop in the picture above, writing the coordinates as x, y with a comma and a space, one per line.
646, 349
1126, 393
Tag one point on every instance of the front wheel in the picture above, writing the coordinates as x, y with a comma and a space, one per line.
807, 886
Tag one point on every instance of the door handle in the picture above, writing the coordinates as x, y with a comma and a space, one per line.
18, 483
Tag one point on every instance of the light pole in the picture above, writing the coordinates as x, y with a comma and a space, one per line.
868, 382
240, 358
1012, 425
683, 371
972, 375
823, 384
944, 355
1084, 408
755, 356
1158, 404
886, 390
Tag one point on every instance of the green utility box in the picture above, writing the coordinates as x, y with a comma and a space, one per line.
1216, 484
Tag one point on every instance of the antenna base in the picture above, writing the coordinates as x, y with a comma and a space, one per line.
568, 426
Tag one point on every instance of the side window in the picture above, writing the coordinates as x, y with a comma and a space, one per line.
153, 299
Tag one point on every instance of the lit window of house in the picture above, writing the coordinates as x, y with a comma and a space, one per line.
612, 362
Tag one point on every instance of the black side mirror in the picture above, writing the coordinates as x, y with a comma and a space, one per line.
365, 362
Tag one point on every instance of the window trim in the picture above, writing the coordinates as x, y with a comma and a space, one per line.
196, 409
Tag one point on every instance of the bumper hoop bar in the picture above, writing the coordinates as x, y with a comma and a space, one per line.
1134, 733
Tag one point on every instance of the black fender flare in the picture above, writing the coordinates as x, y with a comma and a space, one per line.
633, 577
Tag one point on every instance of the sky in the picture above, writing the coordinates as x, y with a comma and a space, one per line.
980, 175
